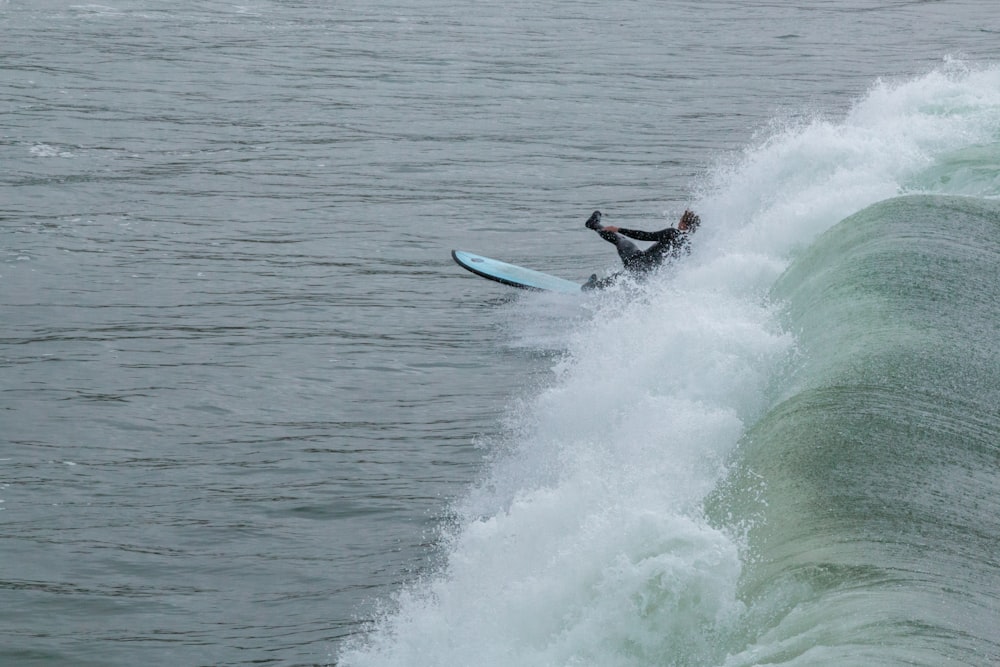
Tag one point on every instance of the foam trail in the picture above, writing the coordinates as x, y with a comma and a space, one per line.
585, 542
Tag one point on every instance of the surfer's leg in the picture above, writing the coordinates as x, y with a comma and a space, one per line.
627, 250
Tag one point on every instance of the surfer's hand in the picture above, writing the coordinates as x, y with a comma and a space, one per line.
611, 229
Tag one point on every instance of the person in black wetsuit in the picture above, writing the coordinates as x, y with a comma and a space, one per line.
669, 244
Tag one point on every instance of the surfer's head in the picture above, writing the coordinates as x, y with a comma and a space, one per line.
689, 222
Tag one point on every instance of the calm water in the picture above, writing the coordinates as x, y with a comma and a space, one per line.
241, 382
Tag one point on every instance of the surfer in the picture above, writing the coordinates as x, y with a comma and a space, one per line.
669, 244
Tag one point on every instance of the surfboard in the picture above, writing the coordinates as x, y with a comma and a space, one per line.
511, 274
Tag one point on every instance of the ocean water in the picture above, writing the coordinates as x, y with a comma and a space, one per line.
251, 412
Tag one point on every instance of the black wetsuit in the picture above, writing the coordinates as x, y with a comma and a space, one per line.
669, 243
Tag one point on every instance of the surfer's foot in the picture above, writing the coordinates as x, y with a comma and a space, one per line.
594, 221
591, 283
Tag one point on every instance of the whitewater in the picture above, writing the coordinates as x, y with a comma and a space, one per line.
782, 451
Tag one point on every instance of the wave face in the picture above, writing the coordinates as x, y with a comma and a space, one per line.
873, 485
785, 452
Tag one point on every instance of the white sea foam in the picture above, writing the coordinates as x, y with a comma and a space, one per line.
45, 150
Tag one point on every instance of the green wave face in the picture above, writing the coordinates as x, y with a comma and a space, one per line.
870, 489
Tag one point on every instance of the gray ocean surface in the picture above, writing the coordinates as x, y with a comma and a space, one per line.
241, 380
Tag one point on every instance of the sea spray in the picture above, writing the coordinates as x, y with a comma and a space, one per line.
776, 196
585, 541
